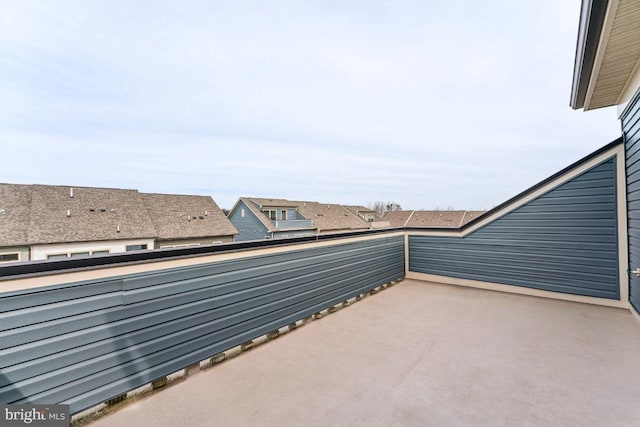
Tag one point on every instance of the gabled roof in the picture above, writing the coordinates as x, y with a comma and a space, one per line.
607, 52
274, 203
329, 217
178, 216
91, 214
436, 219
41, 214
357, 210
325, 217
397, 218
470, 216
431, 219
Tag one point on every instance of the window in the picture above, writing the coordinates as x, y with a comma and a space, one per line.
284, 215
184, 245
10, 257
242, 212
78, 254
136, 247
270, 213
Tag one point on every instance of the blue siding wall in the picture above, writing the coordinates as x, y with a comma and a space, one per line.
631, 134
84, 343
565, 241
293, 214
249, 227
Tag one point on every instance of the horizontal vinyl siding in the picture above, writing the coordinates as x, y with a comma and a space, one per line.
249, 227
564, 241
631, 134
84, 344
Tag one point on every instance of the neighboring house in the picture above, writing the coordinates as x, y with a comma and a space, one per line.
57, 222
182, 220
260, 218
431, 219
332, 218
257, 219
368, 215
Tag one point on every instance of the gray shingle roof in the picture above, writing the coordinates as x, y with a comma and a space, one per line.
471, 215
94, 214
397, 218
39, 214
357, 210
431, 219
177, 216
332, 217
15, 208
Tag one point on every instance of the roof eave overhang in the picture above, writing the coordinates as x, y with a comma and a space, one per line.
592, 16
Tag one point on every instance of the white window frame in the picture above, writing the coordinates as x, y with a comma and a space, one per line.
136, 250
12, 253
184, 245
68, 253
268, 212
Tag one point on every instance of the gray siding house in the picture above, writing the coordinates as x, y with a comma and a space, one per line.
257, 219
260, 218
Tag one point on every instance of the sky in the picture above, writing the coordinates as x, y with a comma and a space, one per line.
430, 104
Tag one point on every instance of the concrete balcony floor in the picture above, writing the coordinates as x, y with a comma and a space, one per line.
422, 354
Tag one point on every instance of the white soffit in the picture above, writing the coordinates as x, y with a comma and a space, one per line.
618, 54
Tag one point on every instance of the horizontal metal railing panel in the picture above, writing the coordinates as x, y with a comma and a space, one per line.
565, 240
86, 342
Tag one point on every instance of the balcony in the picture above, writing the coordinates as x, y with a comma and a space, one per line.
292, 224
421, 354
410, 352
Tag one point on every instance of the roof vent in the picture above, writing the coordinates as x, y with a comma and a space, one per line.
71, 192
68, 213
117, 229
3, 211
206, 213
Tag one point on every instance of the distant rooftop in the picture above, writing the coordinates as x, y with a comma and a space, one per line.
431, 219
43, 214
325, 216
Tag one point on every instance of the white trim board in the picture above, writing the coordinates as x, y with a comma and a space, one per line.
516, 290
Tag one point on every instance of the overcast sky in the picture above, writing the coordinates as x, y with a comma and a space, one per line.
426, 103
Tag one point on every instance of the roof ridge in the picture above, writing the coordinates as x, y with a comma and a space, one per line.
410, 215
462, 219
